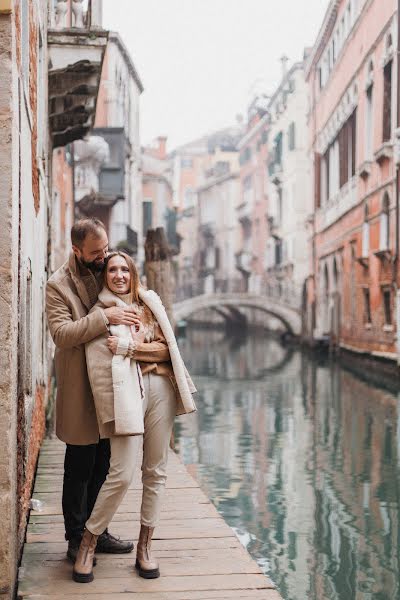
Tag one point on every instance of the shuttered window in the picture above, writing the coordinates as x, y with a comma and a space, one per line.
317, 180
387, 102
147, 215
292, 136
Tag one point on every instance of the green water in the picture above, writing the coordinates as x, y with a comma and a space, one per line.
302, 460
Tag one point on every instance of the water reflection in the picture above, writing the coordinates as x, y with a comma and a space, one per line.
301, 459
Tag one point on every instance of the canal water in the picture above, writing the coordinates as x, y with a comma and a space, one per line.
302, 459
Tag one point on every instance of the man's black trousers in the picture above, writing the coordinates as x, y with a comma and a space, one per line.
85, 469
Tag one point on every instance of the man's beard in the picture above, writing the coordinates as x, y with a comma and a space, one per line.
94, 265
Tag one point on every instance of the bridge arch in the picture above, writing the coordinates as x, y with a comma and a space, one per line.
289, 317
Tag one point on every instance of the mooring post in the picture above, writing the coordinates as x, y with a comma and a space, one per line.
159, 273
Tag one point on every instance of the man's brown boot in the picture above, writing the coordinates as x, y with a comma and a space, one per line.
146, 565
83, 568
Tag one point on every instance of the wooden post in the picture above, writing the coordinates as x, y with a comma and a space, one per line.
159, 274
158, 268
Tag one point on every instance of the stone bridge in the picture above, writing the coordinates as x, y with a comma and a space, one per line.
289, 316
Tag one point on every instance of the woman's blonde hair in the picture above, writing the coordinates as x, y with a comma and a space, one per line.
135, 280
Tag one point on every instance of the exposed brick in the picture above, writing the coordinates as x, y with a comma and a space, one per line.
36, 434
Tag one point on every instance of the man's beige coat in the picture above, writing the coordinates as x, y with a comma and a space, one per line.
71, 327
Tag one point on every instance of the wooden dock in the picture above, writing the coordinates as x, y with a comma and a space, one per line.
200, 557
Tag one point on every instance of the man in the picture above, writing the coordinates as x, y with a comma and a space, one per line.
70, 294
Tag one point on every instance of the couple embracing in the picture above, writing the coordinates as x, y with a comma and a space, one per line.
120, 383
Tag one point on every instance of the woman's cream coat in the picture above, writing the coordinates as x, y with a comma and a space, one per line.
113, 400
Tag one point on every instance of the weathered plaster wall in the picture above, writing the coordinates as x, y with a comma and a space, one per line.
8, 313
23, 264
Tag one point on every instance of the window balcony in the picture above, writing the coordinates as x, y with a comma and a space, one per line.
343, 201
365, 169
244, 261
384, 152
244, 213
275, 171
207, 231
99, 170
76, 44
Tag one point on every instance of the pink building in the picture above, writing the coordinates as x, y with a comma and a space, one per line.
252, 208
352, 77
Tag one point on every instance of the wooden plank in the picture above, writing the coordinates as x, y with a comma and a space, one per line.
158, 545
200, 557
169, 512
118, 566
258, 594
62, 583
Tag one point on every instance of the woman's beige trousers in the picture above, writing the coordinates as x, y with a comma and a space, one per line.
159, 413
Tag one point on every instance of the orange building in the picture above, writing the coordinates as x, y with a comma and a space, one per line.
352, 80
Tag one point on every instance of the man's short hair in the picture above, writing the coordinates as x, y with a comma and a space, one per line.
84, 227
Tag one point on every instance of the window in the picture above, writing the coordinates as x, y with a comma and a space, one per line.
186, 163
245, 155
188, 198
248, 182
339, 161
367, 306
317, 180
264, 137
292, 136
387, 305
278, 251
147, 215
369, 124
279, 212
384, 224
387, 102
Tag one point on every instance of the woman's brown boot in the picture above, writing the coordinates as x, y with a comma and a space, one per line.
83, 568
146, 565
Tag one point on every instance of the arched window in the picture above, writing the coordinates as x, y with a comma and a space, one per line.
384, 224
326, 282
335, 275
365, 234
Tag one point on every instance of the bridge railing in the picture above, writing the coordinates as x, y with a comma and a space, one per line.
285, 292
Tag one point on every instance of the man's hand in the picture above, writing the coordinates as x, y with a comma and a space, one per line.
122, 316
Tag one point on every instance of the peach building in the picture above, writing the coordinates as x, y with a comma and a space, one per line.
251, 210
158, 209
191, 163
352, 78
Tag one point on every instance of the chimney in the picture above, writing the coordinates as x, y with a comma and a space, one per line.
284, 59
162, 147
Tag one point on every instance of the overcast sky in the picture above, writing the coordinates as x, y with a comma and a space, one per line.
201, 60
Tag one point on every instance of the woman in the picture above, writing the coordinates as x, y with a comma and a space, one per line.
138, 388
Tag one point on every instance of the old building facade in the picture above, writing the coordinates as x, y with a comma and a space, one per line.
46, 51
107, 165
217, 199
288, 188
251, 210
157, 179
352, 78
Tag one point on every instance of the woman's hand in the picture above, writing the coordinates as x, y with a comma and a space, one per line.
112, 343
138, 334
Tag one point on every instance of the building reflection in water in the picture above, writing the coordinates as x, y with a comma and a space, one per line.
301, 458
